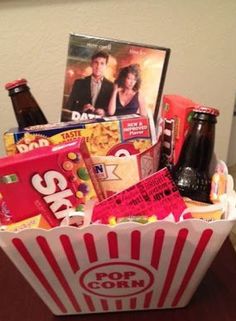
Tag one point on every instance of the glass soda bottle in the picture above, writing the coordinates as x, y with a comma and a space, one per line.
191, 173
26, 108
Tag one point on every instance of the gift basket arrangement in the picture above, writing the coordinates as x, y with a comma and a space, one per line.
117, 207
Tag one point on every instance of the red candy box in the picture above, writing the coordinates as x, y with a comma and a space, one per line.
53, 181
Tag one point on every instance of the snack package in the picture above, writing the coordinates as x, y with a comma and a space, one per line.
142, 219
52, 181
155, 195
205, 211
116, 135
177, 113
37, 221
118, 173
219, 182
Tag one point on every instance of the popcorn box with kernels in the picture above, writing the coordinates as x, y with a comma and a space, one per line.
53, 181
118, 173
119, 136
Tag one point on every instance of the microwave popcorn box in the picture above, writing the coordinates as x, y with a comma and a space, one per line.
116, 135
118, 173
127, 267
53, 181
177, 114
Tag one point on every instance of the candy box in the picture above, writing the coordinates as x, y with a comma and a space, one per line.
121, 135
177, 115
52, 181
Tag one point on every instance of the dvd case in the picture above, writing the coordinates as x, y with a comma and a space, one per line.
106, 77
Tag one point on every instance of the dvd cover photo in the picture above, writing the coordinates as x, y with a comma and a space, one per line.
108, 77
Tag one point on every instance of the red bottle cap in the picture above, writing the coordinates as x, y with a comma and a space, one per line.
15, 83
207, 110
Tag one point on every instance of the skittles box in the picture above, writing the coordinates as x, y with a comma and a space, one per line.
116, 135
53, 181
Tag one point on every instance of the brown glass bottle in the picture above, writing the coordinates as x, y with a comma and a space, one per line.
191, 173
26, 108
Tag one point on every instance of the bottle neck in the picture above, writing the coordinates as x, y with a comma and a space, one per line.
22, 98
26, 108
198, 146
19, 89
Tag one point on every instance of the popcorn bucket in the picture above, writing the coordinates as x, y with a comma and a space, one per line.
127, 267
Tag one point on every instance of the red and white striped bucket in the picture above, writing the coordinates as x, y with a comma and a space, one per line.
127, 267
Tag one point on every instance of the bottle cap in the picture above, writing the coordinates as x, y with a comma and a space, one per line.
15, 83
206, 110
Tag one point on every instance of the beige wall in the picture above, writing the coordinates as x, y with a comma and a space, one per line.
231, 160
201, 34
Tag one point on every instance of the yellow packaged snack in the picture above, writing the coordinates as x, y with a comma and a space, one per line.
205, 211
37, 221
118, 173
117, 135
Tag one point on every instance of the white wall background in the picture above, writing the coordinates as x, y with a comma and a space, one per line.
201, 35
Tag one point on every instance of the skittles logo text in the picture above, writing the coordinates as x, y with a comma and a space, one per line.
53, 187
118, 279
